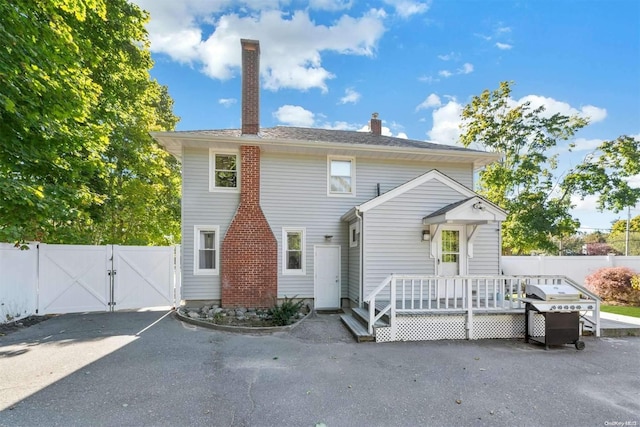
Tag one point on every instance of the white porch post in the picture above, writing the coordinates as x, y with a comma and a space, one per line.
392, 314
469, 308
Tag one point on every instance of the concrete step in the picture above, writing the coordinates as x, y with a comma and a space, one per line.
362, 315
615, 326
357, 329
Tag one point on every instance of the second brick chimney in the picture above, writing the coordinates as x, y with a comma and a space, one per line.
376, 124
249, 255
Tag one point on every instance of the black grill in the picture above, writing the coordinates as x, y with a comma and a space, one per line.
560, 305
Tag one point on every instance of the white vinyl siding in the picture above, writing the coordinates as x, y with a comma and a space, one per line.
306, 204
353, 292
206, 250
200, 206
399, 248
486, 251
224, 171
294, 192
293, 251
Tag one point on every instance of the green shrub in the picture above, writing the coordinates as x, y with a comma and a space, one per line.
284, 313
616, 285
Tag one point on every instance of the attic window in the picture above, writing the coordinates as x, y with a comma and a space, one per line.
341, 176
223, 171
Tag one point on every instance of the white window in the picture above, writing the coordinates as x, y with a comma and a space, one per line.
206, 257
354, 234
293, 251
341, 173
224, 170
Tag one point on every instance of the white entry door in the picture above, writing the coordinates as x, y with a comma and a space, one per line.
451, 251
327, 276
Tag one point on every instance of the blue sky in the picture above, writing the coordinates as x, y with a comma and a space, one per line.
331, 63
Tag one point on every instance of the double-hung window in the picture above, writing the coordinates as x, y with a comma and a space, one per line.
207, 254
341, 176
293, 251
223, 171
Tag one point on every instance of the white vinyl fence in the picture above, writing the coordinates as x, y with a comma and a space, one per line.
48, 279
573, 267
18, 282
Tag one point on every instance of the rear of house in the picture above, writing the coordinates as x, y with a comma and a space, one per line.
322, 214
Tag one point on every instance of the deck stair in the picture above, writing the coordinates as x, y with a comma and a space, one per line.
357, 322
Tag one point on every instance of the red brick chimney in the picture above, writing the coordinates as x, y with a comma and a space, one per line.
249, 255
250, 86
376, 124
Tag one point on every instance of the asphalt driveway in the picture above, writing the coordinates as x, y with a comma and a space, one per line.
138, 369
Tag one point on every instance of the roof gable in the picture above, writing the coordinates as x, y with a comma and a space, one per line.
433, 174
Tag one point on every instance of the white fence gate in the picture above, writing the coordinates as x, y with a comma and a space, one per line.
73, 278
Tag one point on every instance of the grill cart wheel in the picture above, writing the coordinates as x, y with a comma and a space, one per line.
580, 345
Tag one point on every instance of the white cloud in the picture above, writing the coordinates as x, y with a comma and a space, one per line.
467, 68
291, 44
428, 79
449, 56
350, 96
446, 123
339, 125
227, 102
294, 115
589, 203
331, 5
501, 30
446, 119
407, 8
430, 101
503, 46
553, 106
594, 114
583, 144
386, 131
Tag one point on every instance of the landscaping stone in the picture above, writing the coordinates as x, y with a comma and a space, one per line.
239, 316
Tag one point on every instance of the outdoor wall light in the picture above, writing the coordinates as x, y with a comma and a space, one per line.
426, 235
328, 237
479, 206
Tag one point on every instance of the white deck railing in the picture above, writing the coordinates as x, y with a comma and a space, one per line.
412, 294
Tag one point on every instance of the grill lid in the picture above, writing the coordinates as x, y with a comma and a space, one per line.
562, 292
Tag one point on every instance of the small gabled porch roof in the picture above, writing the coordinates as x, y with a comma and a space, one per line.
474, 210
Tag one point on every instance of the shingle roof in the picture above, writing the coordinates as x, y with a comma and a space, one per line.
448, 207
331, 136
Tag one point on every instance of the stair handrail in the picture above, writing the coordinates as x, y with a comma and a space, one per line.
593, 296
371, 300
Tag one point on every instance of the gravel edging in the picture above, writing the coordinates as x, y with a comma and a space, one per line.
262, 330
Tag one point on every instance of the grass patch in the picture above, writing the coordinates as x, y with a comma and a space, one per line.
620, 309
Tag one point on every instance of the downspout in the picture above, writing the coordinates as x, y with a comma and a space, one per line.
360, 261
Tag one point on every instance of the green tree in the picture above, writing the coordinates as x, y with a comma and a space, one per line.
77, 164
606, 172
522, 181
618, 236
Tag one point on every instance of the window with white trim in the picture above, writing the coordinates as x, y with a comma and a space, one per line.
341, 172
354, 234
206, 257
224, 171
293, 250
